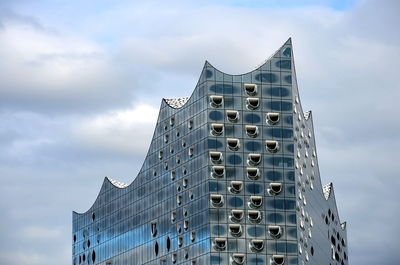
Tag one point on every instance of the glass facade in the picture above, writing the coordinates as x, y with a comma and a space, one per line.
228, 179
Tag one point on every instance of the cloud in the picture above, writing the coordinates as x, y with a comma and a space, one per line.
22, 257
118, 131
77, 86
47, 69
40, 233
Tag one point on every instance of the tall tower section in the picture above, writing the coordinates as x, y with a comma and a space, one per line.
231, 177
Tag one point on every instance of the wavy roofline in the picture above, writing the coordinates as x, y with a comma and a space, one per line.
331, 193
257, 67
106, 179
306, 115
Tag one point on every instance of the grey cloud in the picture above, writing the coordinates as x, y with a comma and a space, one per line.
346, 63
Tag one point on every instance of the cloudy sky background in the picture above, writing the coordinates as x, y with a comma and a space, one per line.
81, 83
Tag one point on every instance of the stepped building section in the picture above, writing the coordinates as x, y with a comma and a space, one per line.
231, 177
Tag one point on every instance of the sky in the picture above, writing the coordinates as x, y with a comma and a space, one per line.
81, 83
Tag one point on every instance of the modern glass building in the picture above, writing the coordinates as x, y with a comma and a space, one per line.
231, 177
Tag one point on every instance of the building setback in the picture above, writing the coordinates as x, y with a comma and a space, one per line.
231, 177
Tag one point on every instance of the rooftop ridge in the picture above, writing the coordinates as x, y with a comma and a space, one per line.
117, 183
176, 102
327, 190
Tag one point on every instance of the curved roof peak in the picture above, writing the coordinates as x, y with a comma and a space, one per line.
176, 103
117, 183
288, 42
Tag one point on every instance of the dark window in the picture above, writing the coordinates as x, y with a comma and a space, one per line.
168, 243
284, 64
214, 144
236, 202
215, 186
234, 159
290, 148
292, 231
279, 133
290, 189
281, 247
278, 91
287, 52
252, 118
290, 175
216, 260
218, 230
253, 146
288, 79
256, 261
291, 218
281, 161
291, 247
267, 77
279, 105
216, 115
156, 248
275, 217
254, 188
274, 175
290, 204
289, 119
223, 88
256, 231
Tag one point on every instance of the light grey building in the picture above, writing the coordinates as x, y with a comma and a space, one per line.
231, 177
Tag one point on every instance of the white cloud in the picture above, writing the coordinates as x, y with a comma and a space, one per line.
119, 131
34, 232
47, 68
346, 63
23, 257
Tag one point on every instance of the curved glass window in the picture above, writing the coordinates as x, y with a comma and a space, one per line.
284, 64
252, 118
256, 261
215, 186
290, 204
278, 91
273, 175
253, 146
280, 161
291, 232
218, 230
289, 176
216, 260
236, 202
214, 144
234, 159
288, 79
279, 132
254, 188
276, 218
223, 88
287, 52
291, 247
279, 105
267, 77
281, 204
216, 115
256, 231
209, 74
290, 148
288, 120
290, 189
281, 247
